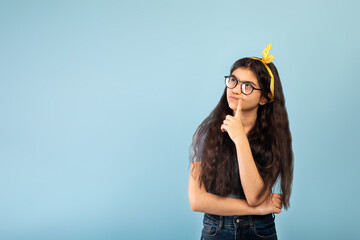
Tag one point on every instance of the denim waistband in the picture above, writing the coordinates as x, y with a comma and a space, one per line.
236, 220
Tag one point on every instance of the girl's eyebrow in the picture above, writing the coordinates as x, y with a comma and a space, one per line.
243, 81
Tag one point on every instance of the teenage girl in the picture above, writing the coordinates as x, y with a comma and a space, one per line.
239, 152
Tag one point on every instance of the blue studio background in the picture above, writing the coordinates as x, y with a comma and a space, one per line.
99, 101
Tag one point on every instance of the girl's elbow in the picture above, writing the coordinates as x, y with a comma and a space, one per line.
194, 205
193, 202
252, 202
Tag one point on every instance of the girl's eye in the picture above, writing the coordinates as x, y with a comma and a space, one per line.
248, 85
233, 79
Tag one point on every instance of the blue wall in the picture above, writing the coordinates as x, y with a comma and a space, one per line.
99, 101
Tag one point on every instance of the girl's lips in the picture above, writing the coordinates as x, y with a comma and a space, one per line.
233, 98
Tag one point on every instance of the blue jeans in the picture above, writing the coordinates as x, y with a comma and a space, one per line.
239, 227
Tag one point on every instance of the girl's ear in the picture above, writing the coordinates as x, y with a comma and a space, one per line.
263, 100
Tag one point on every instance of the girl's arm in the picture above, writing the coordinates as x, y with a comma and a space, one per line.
250, 178
202, 201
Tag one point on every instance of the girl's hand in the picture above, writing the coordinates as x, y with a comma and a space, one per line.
271, 205
233, 124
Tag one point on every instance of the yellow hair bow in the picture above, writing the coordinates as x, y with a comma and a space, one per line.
266, 58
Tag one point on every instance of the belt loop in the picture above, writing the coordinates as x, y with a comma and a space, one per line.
251, 223
221, 222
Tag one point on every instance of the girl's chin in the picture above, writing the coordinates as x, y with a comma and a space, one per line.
233, 106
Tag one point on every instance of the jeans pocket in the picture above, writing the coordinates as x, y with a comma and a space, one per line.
210, 228
265, 229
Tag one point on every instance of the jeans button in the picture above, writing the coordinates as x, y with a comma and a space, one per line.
237, 220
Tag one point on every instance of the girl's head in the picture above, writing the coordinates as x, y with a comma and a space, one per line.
269, 138
249, 81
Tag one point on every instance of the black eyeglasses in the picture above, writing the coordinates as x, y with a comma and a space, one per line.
246, 88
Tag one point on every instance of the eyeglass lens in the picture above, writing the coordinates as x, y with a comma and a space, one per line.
246, 88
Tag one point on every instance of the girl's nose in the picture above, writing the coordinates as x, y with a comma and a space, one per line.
237, 89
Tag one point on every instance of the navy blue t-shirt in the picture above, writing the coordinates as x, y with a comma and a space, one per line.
199, 149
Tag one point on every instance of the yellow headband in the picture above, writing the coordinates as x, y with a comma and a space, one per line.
266, 58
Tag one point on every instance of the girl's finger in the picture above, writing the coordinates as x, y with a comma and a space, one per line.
223, 128
228, 117
238, 110
226, 121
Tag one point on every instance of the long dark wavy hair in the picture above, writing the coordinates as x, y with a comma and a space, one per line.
270, 141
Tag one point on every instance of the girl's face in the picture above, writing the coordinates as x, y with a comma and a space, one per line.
248, 102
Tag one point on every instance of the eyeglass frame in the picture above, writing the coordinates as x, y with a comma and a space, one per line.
241, 86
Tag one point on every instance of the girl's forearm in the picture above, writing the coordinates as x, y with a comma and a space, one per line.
250, 178
224, 206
